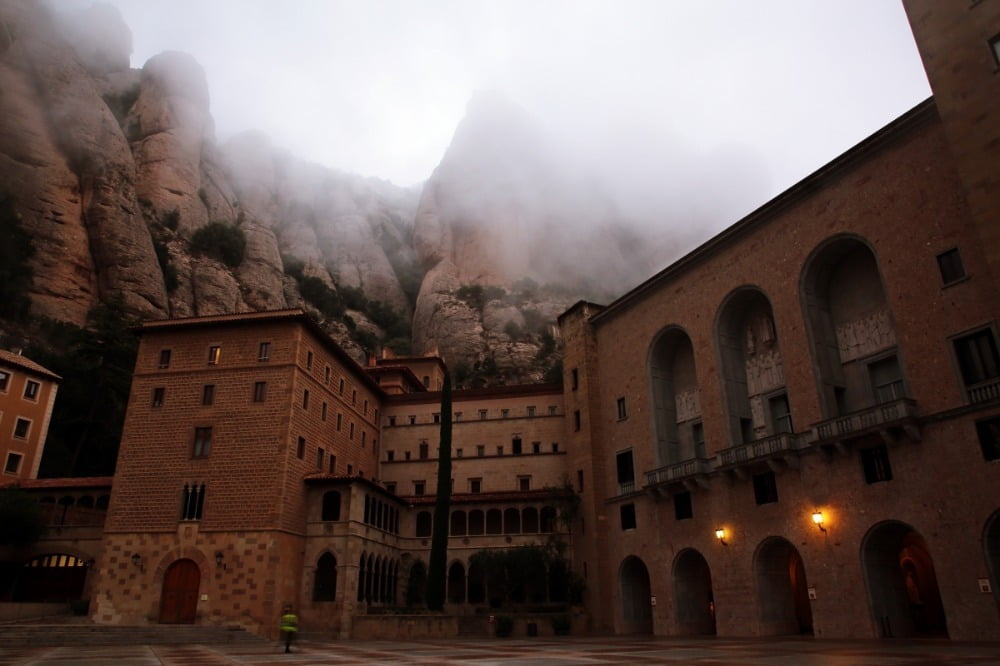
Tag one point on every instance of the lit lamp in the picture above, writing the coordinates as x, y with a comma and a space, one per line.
137, 562
818, 519
720, 534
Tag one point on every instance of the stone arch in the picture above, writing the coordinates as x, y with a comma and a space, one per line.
675, 397
782, 590
476, 583
694, 601
634, 587
179, 596
456, 583
459, 523
325, 578
850, 326
902, 586
751, 367
477, 522
416, 585
494, 521
52, 576
529, 520
511, 521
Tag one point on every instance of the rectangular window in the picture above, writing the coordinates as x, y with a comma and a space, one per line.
531, 410
989, 438
392, 421
305, 399
406, 455
475, 485
979, 364
412, 419
192, 501
354, 396
458, 416
579, 480
350, 470
391, 487
4, 380
682, 506
202, 442
164, 358
350, 431
13, 463
626, 472
553, 410
341, 386
21, 428
340, 419
319, 457
950, 265
698, 437
322, 411
264, 351
574, 379
214, 354
515, 446
390, 455
364, 438
158, 394
504, 413
365, 411
418, 487
887, 380
423, 451
875, 464
480, 450
437, 418
576, 420
482, 414
326, 375
781, 414
499, 450
208, 394
309, 360
765, 488
536, 447
622, 411
524, 483
333, 464
31, 390
300, 450
627, 514
458, 453
555, 447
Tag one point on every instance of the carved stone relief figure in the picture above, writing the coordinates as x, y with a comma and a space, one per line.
687, 405
865, 336
765, 372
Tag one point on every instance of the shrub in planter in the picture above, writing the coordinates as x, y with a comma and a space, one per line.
504, 626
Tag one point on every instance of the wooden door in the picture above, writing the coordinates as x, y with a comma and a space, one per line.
179, 601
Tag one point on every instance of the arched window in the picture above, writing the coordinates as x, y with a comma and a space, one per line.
477, 524
331, 505
529, 520
102, 501
424, 524
458, 524
456, 583
511, 521
362, 572
676, 399
548, 519
494, 521
325, 582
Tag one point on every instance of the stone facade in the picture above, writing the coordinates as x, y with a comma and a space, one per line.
27, 396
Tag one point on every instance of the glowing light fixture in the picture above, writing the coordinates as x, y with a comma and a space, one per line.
720, 534
818, 519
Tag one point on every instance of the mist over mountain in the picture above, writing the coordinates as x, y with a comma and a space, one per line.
115, 177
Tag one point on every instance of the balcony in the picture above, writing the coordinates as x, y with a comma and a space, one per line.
773, 447
984, 391
626, 487
888, 420
686, 473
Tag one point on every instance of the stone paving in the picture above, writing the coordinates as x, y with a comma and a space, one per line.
526, 652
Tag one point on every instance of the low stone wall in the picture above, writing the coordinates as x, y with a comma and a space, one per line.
400, 627
14, 612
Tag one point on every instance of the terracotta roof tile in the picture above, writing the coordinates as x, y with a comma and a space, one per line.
25, 363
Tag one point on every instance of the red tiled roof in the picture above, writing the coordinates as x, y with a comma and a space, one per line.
63, 482
25, 363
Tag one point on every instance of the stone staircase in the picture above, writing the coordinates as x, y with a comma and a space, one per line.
69, 634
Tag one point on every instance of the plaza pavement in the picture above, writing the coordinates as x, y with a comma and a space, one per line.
563, 651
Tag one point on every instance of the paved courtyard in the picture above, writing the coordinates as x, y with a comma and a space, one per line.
527, 652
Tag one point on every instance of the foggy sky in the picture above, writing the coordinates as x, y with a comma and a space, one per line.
744, 97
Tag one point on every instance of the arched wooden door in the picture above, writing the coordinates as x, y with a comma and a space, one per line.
179, 601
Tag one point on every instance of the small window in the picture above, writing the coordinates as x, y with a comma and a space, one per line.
504, 413
482, 414
264, 351
331, 506
322, 411
354, 396
21, 428
392, 421
31, 390
626, 472
208, 394
305, 399
412, 419
418, 487
164, 358
364, 438
406, 455
340, 420
319, 457
390, 455
158, 395
437, 418
979, 363
950, 265
4, 380
427, 381
781, 414
524, 483
480, 450
391, 486
326, 375
13, 463
214, 354
309, 360
475, 485
995, 48
574, 379
989, 438
579, 480
698, 437
350, 470
622, 411
515, 446
333, 464
365, 412
553, 410
350, 431
531, 410
627, 513
341, 386
300, 451
555, 447
423, 451
202, 442
192, 501
875, 464
887, 380
536, 447
499, 450
682, 506
765, 488
458, 416
576, 420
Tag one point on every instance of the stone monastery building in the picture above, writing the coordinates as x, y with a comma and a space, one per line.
793, 429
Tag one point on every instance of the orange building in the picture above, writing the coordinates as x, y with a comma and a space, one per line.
27, 396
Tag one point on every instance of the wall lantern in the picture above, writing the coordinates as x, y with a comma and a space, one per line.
720, 534
219, 560
818, 519
137, 562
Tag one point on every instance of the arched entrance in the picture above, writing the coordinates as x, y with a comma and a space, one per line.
694, 604
179, 600
456, 583
782, 591
991, 543
902, 586
637, 610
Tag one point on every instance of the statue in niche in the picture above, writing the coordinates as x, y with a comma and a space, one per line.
759, 333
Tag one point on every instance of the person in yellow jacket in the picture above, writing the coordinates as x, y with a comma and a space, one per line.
289, 626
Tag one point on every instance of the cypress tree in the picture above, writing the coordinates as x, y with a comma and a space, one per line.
436, 574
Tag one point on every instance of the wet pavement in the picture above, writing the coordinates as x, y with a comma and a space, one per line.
526, 652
